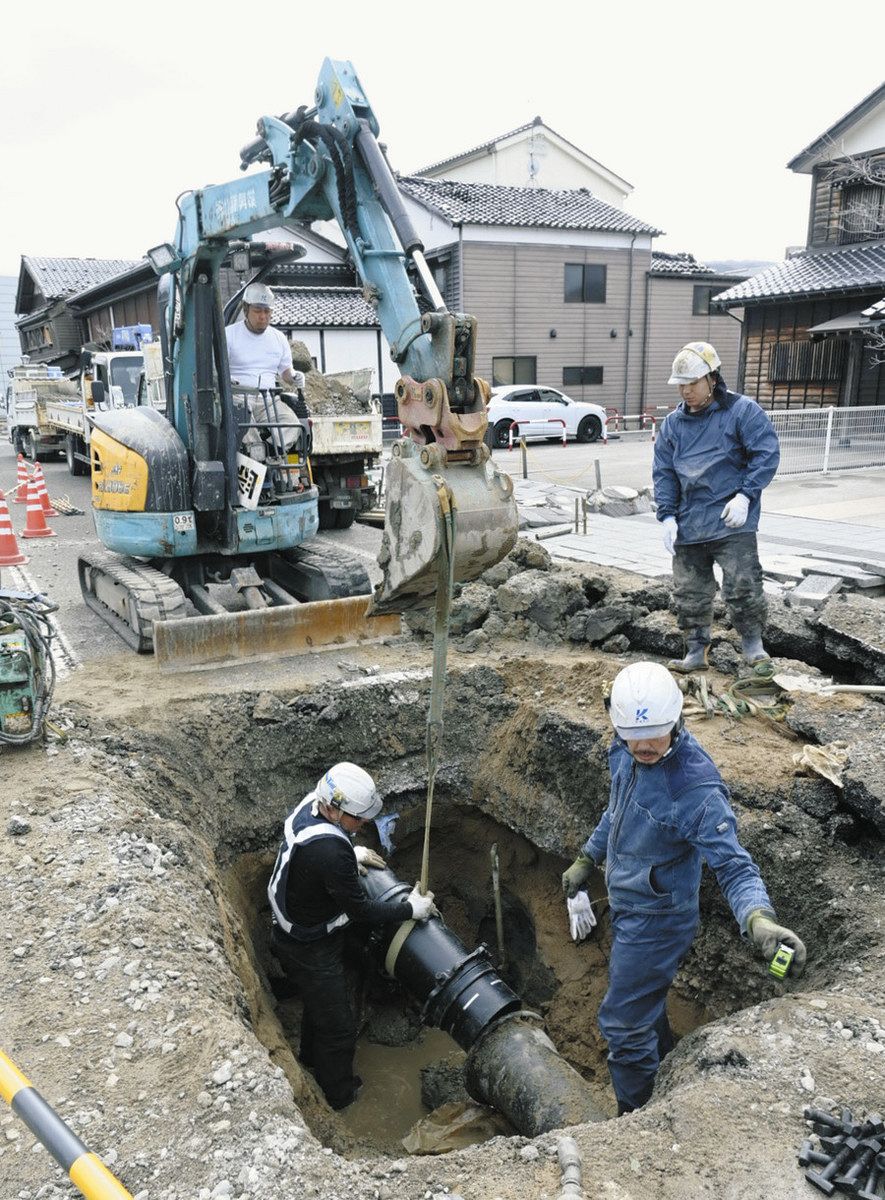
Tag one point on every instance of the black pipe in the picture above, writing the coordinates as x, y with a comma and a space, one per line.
512, 1065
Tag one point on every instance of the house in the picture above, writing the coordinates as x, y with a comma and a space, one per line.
806, 342
10, 349
534, 155
48, 329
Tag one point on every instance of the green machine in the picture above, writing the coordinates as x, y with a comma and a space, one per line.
27, 670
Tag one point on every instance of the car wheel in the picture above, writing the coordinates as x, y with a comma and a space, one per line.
502, 435
590, 429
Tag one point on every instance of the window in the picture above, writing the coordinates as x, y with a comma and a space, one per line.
585, 283
863, 214
806, 362
700, 301
516, 369
581, 376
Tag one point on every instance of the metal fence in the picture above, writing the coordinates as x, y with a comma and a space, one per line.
817, 440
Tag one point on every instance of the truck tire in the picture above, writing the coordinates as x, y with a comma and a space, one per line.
327, 515
18, 442
345, 517
31, 451
75, 466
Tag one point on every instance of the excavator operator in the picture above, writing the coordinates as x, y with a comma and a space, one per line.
314, 894
258, 353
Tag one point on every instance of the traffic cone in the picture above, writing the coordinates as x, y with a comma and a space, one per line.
9, 551
46, 503
36, 523
21, 491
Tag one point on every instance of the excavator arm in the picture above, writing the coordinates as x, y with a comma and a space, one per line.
326, 164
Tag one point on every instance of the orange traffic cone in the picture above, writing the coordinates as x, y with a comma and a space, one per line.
9, 551
45, 502
21, 491
36, 523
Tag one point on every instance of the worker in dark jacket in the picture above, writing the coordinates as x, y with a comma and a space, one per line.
713, 456
669, 811
314, 893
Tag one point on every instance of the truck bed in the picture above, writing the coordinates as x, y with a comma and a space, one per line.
359, 433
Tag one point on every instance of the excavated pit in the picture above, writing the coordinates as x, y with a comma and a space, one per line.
163, 873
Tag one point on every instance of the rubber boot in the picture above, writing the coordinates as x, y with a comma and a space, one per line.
697, 643
755, 653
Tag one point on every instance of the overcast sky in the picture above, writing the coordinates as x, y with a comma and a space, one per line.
110, 110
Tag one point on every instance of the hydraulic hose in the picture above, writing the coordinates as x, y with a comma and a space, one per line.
31, 615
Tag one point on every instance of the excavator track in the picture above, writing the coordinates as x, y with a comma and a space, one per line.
130, 596
320, 570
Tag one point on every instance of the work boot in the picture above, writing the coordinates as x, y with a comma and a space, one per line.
755, 653
697, 643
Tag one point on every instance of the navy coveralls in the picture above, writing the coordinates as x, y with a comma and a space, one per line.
662, 821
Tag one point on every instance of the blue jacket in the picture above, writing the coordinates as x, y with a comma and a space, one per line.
661, 822
702, 460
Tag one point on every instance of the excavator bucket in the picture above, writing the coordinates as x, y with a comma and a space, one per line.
267, 633
486, 521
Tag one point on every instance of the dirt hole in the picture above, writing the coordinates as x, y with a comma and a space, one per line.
409, 1069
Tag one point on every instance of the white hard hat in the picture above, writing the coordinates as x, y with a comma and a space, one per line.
258, 293
645, 702
693, 362
350, 789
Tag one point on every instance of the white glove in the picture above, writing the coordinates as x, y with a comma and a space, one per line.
422, 906
298, 379
735, 512
366, 857
581, 918
670, 530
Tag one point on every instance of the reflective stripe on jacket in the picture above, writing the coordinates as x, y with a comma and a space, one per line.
702, 460
302, 825
662, 821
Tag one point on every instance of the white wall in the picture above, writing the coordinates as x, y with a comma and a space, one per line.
867, 134
350, 350
10, 346
534, 160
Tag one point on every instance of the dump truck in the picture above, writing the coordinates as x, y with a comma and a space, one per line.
31, 386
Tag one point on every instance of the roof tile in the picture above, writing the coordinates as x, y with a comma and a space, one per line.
321, 307
495, 204
57, 277
855, 268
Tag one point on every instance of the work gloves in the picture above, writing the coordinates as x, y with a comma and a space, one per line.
735, 512
422, 905
577, 875
366, 858
670, 530
766, 935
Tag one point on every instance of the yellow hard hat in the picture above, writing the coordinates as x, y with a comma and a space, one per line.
693, 361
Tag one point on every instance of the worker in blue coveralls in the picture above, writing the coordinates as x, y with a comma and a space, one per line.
668, 812
714, 455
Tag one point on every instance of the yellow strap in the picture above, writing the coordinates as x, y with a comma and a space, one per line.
396, 944
11, 1078
95, 1181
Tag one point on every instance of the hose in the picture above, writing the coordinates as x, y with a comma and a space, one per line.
31, 615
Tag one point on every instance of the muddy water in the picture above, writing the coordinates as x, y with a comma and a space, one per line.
390, 1101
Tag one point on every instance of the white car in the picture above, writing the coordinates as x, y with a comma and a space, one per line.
543, 410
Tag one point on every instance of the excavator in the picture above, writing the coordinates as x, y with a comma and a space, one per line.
207, 512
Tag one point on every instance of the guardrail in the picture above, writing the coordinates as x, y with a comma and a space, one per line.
547, 421
818, 440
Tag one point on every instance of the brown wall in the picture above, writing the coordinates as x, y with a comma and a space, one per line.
516, 292
828, 220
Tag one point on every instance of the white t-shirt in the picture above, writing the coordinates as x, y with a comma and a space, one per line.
257, 358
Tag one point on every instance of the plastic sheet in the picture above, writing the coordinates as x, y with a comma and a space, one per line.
455, 1125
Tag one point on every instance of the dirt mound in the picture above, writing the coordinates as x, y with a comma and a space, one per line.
327, 396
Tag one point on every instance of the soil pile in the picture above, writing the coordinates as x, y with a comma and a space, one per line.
326, 396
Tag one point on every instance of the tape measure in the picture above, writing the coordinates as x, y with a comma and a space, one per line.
782, 961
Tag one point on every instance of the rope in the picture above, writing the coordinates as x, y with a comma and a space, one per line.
751, 697
444, 586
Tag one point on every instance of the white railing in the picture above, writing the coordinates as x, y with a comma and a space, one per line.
817, 440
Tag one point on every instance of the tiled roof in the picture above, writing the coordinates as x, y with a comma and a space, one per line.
851, 269
494, 204
56, 277
676, 264
321, 307
444, 162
